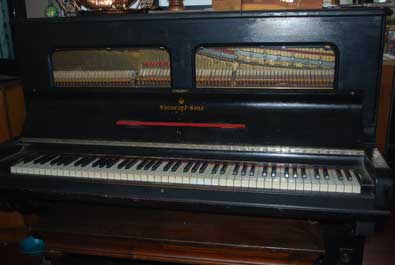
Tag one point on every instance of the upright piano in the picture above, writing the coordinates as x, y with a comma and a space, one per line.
254, 114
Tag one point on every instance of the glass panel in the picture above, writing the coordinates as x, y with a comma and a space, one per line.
264, 67
112, 68
6, 48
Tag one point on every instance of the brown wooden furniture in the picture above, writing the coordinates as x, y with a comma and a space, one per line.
12, 114
12, 110
176, 236
176, 5
384, 107
265, 4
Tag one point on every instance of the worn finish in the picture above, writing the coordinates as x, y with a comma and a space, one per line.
182, 237
341, 119
347, 115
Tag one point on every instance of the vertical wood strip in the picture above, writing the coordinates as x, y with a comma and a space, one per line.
4, 129
384, 107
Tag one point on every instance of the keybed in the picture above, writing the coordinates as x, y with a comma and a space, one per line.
189, 172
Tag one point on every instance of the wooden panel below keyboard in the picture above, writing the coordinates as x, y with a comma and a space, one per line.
177, 236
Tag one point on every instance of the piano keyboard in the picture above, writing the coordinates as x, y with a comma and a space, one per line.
247, 175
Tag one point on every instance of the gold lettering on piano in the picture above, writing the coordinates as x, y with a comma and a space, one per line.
181, 108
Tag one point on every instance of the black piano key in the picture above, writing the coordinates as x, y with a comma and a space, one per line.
203, 167
49, 158
31, 157
156, 165
176, 166
131, 163
112, 162
83, 162
188, 166
97, 162
274, 171
88, 160
17, 159
339, 174
252, 170
244, 169
195, 167
123, 163
104, 162
38, 160
44, 159
326, 174
215, 168
264, 171
223, 168
286, 172
168, 166
358, 174
69, 160
303, 173
61, 160
56, 160
142, 164
236, 169
79, 161
295, 172
348, 175
316, 173
150, 164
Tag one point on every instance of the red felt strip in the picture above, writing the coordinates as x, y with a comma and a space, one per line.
182, 124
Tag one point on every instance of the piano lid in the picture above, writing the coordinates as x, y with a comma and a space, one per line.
260, 78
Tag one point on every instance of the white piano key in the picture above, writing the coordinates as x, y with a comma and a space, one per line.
291, 182
307, 182
315, 183
331, 183
215, 176
159, 175
347, 183
148, 175
252, 179
229, 176
207, 175
24, 168
283, 179
339, 183
189, 177
132, 174
237, 179
299, 186
356, 186
179, 174
276, 179
113, 171
323, 182
260, 181
268, 180
223, 177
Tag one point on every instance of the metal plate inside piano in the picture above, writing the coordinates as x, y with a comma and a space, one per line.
128, 68
266, 67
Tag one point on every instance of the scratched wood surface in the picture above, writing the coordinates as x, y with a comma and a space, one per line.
176, 236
